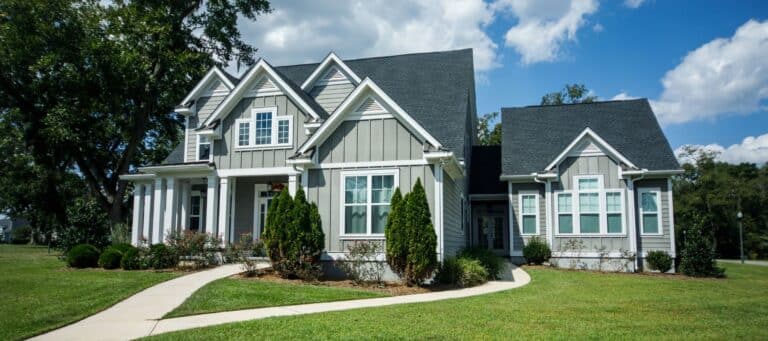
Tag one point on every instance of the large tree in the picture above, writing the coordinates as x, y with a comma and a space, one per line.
570, 94
91, 85
489, 130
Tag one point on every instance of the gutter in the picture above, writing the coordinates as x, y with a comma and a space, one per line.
185, 167
533, 176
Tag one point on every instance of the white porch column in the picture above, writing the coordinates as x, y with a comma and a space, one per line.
169, 223
184, 211
511, 219
305, 181
221, 231
632, 225
210, 205
147, 214
439, 210
230, 235
137, 208
292, 185
548, 204
157, 214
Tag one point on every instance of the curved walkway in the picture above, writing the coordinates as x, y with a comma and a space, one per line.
140, 315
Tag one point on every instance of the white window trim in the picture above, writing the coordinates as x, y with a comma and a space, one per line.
657, 191
273, 130
342, 216
520, 196
210, 151
602, 209
558, 213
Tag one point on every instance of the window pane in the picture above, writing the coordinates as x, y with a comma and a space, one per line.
588, 202
590, 183
613, 202
382, 187
565, 223
590, 223
355, 189
564, 203
354, 219
282, 131
650, 223
379, 214
204, 151
529, 204
649, 202
195, 205
244, 131
529, 224
264, 128
614, 223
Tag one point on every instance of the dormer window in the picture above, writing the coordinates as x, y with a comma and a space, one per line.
264, 129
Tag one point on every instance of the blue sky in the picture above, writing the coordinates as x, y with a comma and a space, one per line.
702, 64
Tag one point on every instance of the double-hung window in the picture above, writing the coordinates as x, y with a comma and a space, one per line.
590, 209
264, 129
203, 148
589, 204
565, 213
650, 214
529, 213
366, 201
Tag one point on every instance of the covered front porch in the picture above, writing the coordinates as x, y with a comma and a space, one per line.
224, 203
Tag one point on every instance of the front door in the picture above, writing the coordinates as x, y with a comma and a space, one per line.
490, 227
263, 200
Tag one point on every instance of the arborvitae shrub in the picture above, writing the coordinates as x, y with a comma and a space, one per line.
394, 233
698, 256
421, 260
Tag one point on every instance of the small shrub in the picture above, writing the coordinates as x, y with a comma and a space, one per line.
83, 256
133, 259
110, 258
120, 234
536, 251
195, 249
449, 272
361, 265
463, 272
21, 235
698, 256
492, 262
162, 257
122, 247
244, 251
659, 260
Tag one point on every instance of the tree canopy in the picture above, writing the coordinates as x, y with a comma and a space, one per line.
570, 94
489, 130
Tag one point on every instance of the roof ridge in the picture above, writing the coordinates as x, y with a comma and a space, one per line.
581, 103
380, 57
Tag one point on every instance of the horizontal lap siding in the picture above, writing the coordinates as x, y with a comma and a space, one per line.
662, 242
518, 240
324, 188
205, 107
370, 140
226, 156
454, 238
330, 96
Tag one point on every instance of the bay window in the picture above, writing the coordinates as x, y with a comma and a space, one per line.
366, 201
650, 215
590, 209
264, 129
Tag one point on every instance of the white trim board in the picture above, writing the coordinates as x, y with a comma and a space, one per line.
598, 141
370, 164
269, 171
200, 86
318, 72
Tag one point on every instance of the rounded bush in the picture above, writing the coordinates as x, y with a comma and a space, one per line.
132, 260
536, 251
492, 262
472, 272
659, 260
122, 247
110, 258
162, 257
83, 256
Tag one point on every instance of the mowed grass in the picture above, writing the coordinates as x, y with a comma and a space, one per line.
557, 304
234, 294
39, 293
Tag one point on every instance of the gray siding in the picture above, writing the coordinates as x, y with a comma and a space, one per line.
661, 242
370, 140
324, 188
205, 107
518, 240
226, 156
330, 96
454, 238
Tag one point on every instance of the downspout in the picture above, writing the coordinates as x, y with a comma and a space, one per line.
548, 207
634, 235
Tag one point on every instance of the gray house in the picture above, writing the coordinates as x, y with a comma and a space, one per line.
351, 131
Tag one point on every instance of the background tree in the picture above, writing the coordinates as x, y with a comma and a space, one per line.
570, 94
489, 130
91, 85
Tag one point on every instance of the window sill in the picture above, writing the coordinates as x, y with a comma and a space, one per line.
362, 237
660, 234
263, 147
587, 235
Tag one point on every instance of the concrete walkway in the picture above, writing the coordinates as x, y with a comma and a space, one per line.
140, 315
748, 262
515, 278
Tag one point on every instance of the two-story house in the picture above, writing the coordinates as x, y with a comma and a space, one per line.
351, 131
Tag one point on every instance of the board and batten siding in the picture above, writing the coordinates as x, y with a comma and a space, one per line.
370, 140
324, 188
654, 242
518, 240
454, 238
590, 165
226, 156
205, 107
330, 96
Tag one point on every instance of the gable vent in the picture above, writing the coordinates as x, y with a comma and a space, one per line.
216, 88
370, 105
333, 76
263, 87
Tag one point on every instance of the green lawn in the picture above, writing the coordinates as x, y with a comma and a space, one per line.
233, 294
39, 293
557, 304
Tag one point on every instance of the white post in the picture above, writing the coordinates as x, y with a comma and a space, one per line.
157, 214
632, 222
223, 208
210, 205
137, 207
184, 188
232, 211
292, 185
305, 181
510, 219
439, 209
170, 209
147, 212
548, 204
672, 247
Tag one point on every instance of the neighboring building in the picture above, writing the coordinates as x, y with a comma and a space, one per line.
351, 131
7, 225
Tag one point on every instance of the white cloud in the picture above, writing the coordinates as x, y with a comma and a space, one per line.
544, 26
633, 3
305, 31
722, 77
598, 28
752, 149
623, 96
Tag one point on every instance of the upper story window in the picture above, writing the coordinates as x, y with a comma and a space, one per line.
264, 129
650, 217
366, 201
590, 208
203, 148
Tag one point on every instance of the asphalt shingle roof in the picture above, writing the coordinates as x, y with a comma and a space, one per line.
534, 136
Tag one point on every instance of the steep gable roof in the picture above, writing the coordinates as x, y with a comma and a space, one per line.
535, 136
214, 74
